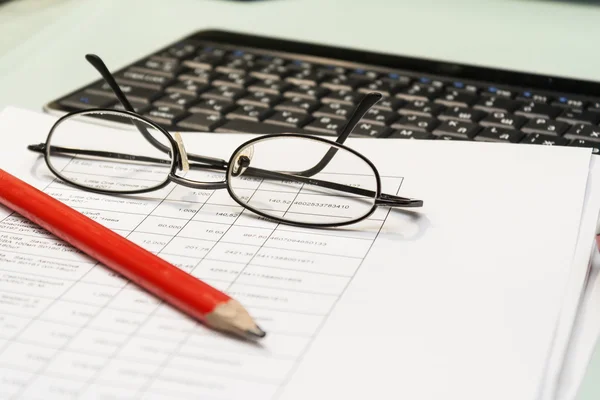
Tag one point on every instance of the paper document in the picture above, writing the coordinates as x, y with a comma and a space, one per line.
459, 299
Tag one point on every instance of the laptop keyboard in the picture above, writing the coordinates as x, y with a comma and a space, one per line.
200, 86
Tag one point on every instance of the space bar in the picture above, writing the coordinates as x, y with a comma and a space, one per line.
241, 126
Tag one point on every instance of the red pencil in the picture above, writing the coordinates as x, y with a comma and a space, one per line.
176, 287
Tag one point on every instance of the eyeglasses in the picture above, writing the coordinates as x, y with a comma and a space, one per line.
297, 176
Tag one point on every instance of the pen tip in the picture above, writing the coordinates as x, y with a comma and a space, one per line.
256, 333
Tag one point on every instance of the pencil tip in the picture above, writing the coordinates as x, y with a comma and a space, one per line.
256, 333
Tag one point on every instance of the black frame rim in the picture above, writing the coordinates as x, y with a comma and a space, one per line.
172, 142
295, 223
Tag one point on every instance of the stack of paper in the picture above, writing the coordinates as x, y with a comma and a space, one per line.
472, 297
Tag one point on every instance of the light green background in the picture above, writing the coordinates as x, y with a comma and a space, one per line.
43, 42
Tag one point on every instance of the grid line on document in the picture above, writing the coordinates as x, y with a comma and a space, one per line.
265, 241
214, 279
324, 320
137, 312
83, 326
177, 349
150, 314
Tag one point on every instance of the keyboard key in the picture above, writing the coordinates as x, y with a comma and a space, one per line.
133, 93
494, 91
429, 82
594, 107
461, 87
326, 126
213, 106
397, 78
306, 92
177, 100
340, 82
538, 110
460, 129
503, 120
569, 102
227, 93
380, 117
207, 58
189, 87
410, 134
197, 75
305, 77
585, 132
423, 108
202, 122
385, 87
335, 110
298, 104
538, 138
496, 104
456, 99
499, 135
347, 97
586, 143
329, 70
236, 65
533, 97
365, 129
289, 118
84, 100
415, 122
461, 114
158, 66
299, 65
266, 60
274, 72
233, 79
153, 81
270, 86
250, 113
166, 115
240, 54
389, 104
363, 74
260, 99
450, 137
245, 126
418, 92
577, 116
545, 126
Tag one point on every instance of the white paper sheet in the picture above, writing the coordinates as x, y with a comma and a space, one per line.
584, 338
457, 300
566, 334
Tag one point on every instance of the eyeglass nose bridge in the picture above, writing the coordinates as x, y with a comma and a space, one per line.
197, 185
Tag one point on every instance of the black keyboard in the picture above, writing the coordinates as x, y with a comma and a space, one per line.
218, 81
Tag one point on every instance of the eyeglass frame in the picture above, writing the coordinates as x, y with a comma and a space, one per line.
177, 158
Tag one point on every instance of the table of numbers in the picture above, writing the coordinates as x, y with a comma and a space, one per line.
70, 327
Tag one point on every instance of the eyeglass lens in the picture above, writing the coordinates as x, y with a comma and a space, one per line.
112, 158
266, 176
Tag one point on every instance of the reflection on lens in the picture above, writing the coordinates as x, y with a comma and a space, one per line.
126, 158
303, 180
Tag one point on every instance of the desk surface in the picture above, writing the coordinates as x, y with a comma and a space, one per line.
42, 42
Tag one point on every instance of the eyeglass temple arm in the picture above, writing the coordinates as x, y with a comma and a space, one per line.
383, 199
41, 148
112, 83
368, 101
